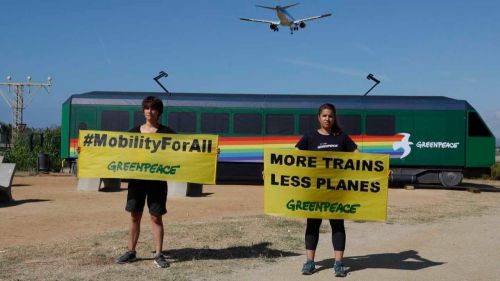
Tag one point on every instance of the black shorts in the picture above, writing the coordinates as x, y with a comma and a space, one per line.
154, 191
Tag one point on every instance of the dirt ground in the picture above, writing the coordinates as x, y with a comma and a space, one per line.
50, 208
459, 244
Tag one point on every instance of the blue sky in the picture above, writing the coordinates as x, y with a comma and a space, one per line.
437, 48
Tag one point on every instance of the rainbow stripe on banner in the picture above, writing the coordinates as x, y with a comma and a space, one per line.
251, 149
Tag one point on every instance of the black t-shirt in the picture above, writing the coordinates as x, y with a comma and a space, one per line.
161, 129
149, 183
334, 142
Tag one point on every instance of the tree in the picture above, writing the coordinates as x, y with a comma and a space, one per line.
30, 144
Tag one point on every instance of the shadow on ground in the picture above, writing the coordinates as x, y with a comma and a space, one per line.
203, 194
466, 186
20, 202
261, 250
20, 184
406, 260
111, 189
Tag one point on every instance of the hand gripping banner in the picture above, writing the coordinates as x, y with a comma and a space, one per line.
327, 185
186, 158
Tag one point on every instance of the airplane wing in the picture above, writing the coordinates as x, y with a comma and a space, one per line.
313, 18
263, 21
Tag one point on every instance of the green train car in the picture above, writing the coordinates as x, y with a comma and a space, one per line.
430, 140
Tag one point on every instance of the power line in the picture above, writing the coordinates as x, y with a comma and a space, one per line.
15, 98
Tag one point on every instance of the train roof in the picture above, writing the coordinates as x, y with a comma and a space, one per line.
273, 100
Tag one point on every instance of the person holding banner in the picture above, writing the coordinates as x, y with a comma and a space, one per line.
153, 190
329, 137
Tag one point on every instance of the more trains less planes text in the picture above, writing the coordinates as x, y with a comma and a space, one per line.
285, 19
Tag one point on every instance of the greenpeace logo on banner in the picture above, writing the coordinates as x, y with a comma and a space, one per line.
313, 206
440, 144
118, 166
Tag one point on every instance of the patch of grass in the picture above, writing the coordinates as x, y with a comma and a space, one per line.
495, 171
458, 204
196, 250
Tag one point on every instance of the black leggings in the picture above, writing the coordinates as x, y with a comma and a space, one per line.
312, 234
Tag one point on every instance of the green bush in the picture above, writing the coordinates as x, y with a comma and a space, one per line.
27, 146
495, 171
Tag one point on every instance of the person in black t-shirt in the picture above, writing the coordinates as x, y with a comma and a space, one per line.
155, 191
331, 138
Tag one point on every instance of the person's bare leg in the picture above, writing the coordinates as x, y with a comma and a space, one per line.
339, 255
158, 232
310, 254
134, 230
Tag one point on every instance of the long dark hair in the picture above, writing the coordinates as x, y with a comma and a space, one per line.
335, 127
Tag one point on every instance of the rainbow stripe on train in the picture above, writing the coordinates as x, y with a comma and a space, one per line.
250, 149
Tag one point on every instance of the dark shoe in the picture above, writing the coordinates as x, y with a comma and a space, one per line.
161, 262
308, 268
339, 269
128, 257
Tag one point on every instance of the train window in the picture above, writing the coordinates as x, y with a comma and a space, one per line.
139, 118
477, 127
182, 122
307, 122
216, 123
279, 124
380, 125
114, 120
247, 123
350, 124
82, 126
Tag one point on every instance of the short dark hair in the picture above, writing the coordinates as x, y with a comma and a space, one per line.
154, 103
335, 126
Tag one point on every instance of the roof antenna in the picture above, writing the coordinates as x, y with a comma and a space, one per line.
160, 75
371, 77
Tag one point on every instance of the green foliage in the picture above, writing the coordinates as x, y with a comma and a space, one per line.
495, 171
28, 145
21, 155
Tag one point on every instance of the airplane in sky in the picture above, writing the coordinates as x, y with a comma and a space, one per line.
285, 19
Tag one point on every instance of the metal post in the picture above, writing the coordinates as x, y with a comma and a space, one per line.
371, 77
157, 78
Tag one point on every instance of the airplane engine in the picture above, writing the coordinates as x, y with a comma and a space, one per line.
273, 27
302, 24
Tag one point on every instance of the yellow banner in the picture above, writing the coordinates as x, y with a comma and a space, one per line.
186, 158
327, 185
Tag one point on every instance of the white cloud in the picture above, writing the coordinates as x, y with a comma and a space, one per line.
469, 79
334, 69
364, 48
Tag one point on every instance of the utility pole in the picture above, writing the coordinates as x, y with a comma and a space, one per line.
16, 100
